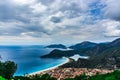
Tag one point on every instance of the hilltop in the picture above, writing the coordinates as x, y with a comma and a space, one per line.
61, 46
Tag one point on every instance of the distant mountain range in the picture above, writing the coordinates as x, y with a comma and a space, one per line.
101, 55
84, 48
82, 45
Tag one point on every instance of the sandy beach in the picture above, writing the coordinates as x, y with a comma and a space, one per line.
54, 67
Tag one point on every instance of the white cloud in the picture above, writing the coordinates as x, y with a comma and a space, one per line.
112, 28
69, 20
38, 8
24, 2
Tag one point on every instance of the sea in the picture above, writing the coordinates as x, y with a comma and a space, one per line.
28, 58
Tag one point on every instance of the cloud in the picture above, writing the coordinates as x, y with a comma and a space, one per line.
112, 28
55, 19
10, 28
70, 20
111, 9
24, 2
38, 8
24, 40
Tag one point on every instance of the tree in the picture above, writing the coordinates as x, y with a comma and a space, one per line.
7, 69
2, 69
110, 78
1, 78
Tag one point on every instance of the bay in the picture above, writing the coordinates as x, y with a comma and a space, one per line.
28, 58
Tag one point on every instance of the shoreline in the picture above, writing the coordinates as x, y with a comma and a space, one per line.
54, 67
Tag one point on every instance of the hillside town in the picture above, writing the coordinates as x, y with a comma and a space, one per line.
63, 73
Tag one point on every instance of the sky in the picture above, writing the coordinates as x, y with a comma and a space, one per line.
42, 22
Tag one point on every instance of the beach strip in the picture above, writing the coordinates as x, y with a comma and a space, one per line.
54, 67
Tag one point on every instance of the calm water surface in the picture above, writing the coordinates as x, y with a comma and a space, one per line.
28, 58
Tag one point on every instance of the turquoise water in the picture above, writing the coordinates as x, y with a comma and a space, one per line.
28, 58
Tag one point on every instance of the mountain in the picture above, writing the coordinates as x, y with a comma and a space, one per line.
56, 46
68, 53
115, 43
101, 56
85, 44
58, 54
100, 48
109, 59
89, 51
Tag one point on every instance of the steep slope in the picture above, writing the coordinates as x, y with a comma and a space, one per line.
58, 54
115, 43
109, 59
100, 48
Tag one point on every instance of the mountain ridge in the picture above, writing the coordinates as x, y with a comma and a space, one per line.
56, 46
85, 44
89, 51
101, 56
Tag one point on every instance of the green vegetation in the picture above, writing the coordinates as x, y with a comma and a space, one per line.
7, 69
110, 76
1, 78
34, 77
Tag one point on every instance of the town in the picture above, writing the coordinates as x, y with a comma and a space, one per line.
63, 73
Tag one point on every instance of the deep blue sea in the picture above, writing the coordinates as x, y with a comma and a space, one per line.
28, 58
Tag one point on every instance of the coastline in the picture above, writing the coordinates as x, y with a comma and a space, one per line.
54, 67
